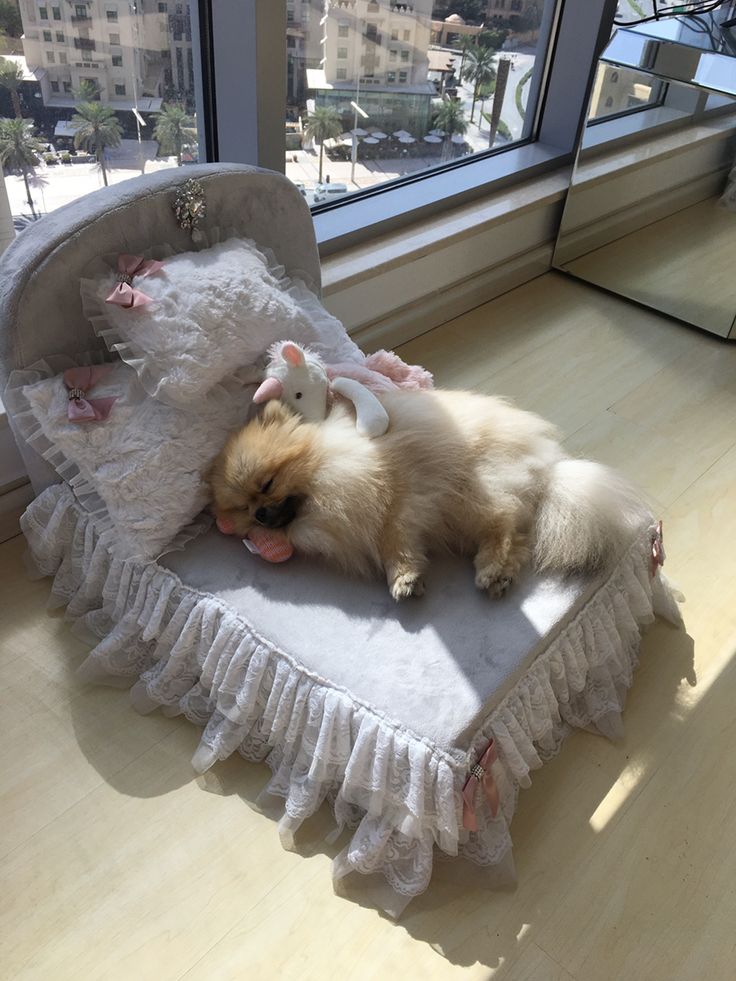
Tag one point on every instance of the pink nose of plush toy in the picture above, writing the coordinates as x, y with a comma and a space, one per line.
269, 389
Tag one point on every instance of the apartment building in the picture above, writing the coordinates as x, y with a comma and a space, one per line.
122, 48
377, 50
303, 45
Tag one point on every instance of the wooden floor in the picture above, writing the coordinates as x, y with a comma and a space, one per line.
117, 864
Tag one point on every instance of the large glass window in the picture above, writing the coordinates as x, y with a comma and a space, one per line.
380, 89
95, 115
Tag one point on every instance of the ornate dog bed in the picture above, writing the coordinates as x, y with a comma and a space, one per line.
417, 723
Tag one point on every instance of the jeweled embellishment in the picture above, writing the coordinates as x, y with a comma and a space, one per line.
190, 206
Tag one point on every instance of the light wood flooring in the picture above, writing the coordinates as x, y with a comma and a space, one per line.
116, 863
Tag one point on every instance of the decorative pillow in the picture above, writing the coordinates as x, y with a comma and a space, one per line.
138, 461
191, 322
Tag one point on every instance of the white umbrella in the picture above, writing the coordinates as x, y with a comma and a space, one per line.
371, 139
346, 139
401, 132
437, 132
407, 139
378, 135
432, 139
359, 132
457, 138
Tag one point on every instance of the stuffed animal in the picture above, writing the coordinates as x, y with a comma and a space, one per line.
300, 379
270, 544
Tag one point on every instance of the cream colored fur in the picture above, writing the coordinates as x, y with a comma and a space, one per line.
455, 470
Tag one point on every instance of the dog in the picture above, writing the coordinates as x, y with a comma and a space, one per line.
456, 470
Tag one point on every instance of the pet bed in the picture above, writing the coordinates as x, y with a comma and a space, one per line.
418, 723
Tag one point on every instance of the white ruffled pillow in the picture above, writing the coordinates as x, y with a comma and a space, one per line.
212, 312
142, 466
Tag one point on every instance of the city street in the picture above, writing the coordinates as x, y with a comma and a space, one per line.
303, 166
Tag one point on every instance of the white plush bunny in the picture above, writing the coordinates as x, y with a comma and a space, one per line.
299, 378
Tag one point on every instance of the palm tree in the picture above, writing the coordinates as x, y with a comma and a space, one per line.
96, 128
174, 130
19, 150
324, 123
450, 117
11, 75
479, 70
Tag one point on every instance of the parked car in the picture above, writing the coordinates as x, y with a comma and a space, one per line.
327, 192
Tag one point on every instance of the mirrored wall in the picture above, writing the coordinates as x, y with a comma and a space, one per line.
651, 212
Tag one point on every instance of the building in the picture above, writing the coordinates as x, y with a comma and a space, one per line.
179, 66
452, 31
520, 16
376, 53
304, 31
122, 48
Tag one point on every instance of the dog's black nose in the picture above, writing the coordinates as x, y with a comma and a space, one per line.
277, 515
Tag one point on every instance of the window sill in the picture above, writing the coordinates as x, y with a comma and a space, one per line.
372, 213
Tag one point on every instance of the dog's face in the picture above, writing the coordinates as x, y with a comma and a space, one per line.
263, 473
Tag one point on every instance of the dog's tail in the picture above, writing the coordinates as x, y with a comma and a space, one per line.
588, 515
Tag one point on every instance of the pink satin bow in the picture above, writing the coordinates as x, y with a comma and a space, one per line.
480, 776
658, 555
130, 266
78, 382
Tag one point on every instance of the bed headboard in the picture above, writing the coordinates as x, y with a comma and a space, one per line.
40, 306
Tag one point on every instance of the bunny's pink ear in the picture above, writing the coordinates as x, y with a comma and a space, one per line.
293, 354
269, 389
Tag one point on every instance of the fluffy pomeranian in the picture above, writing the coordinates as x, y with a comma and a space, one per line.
455, 470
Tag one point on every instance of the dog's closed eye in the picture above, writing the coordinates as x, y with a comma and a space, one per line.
267, 486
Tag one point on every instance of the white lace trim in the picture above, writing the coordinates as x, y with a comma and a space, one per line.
189, 652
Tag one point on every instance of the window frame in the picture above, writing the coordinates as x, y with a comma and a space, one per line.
244, 123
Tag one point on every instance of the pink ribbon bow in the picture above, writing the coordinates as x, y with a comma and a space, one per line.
658, 555
480, 776
130, 266
78, 382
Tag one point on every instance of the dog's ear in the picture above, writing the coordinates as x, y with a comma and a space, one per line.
276, 411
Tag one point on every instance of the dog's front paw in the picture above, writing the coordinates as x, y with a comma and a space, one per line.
406, 585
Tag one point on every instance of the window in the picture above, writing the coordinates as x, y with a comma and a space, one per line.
163, 8
47, 36
416, 86
128, 73
56, 13
43, 13
516, 5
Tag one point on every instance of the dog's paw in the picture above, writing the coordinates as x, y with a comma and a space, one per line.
499, 587
496, 582
406, 585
